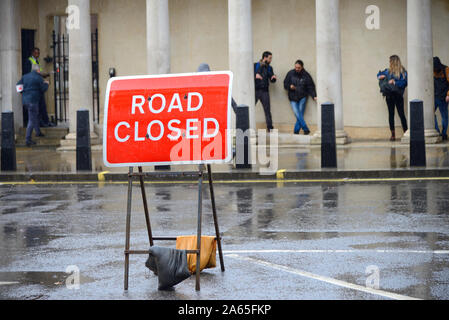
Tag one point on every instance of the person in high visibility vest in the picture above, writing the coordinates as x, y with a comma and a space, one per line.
33, 60
44, 121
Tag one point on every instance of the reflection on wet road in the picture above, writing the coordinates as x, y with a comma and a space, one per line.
330, 230
354, 156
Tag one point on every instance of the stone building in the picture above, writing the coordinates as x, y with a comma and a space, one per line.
343, 43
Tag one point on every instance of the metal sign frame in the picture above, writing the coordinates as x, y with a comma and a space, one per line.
151, 238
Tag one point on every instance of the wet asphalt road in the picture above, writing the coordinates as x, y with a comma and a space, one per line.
281, 241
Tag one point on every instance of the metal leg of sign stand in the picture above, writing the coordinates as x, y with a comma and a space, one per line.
214, 212
198, 237
128, 225
145, 207
141, 176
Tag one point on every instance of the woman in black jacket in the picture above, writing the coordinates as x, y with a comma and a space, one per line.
299, 85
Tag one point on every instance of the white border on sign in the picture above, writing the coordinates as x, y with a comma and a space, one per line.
141, 164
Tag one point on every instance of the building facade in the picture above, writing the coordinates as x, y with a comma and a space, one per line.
343, 44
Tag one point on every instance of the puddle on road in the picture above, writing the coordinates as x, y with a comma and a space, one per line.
45, 278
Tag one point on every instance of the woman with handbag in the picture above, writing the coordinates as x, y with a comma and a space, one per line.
393, 90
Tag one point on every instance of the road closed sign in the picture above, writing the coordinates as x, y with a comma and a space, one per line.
168, 119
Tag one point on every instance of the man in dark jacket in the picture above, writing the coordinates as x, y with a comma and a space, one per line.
264, 74
33, 88
299, 85
44, 121
441, 85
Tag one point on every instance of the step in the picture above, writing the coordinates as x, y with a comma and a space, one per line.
52, 138
40, 141
52, 132
71, 142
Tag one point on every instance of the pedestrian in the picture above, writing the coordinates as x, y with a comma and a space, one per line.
441, 85
393, 82
44, 121
299, 85
263, 75
34, 87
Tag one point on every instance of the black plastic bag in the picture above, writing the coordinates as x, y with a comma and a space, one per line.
170, 265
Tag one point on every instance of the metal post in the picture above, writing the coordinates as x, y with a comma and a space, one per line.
328, 138
198, 242
128, 225
145, 207
214, 212
64, 76
93, 74
242, 138
97, 76
417, 140
8, 153
83, 150
55, 69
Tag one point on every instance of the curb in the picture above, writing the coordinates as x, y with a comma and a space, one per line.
281, 175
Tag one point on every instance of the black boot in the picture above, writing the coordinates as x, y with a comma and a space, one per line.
393, 136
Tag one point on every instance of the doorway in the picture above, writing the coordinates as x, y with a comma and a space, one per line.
60, 47
27, 47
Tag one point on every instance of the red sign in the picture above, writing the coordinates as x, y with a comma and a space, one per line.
168, 119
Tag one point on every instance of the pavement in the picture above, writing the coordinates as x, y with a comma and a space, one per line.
357, 160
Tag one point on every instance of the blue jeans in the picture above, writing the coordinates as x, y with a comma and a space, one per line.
298, 109
442, 105
33, 120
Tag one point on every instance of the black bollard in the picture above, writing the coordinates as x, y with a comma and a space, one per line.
8, 156
83, 150
417, 140
328, 139
242, 137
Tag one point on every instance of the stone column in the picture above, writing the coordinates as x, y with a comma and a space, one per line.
420, 63
158, 37
329, 78
80, 63
10, 59
241, 54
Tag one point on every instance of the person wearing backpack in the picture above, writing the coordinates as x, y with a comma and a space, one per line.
441, 85
393, 82
263, 75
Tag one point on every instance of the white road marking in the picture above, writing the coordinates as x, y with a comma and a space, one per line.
323, 278
335, 251
4, 283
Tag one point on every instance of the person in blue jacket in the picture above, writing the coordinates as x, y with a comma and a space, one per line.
397, 77
33, 88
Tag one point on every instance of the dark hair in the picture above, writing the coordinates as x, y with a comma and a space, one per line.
395, 56
35, 48
300, 63
437, 65
266, 54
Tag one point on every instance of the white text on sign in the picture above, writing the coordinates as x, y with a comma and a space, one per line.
155, 129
